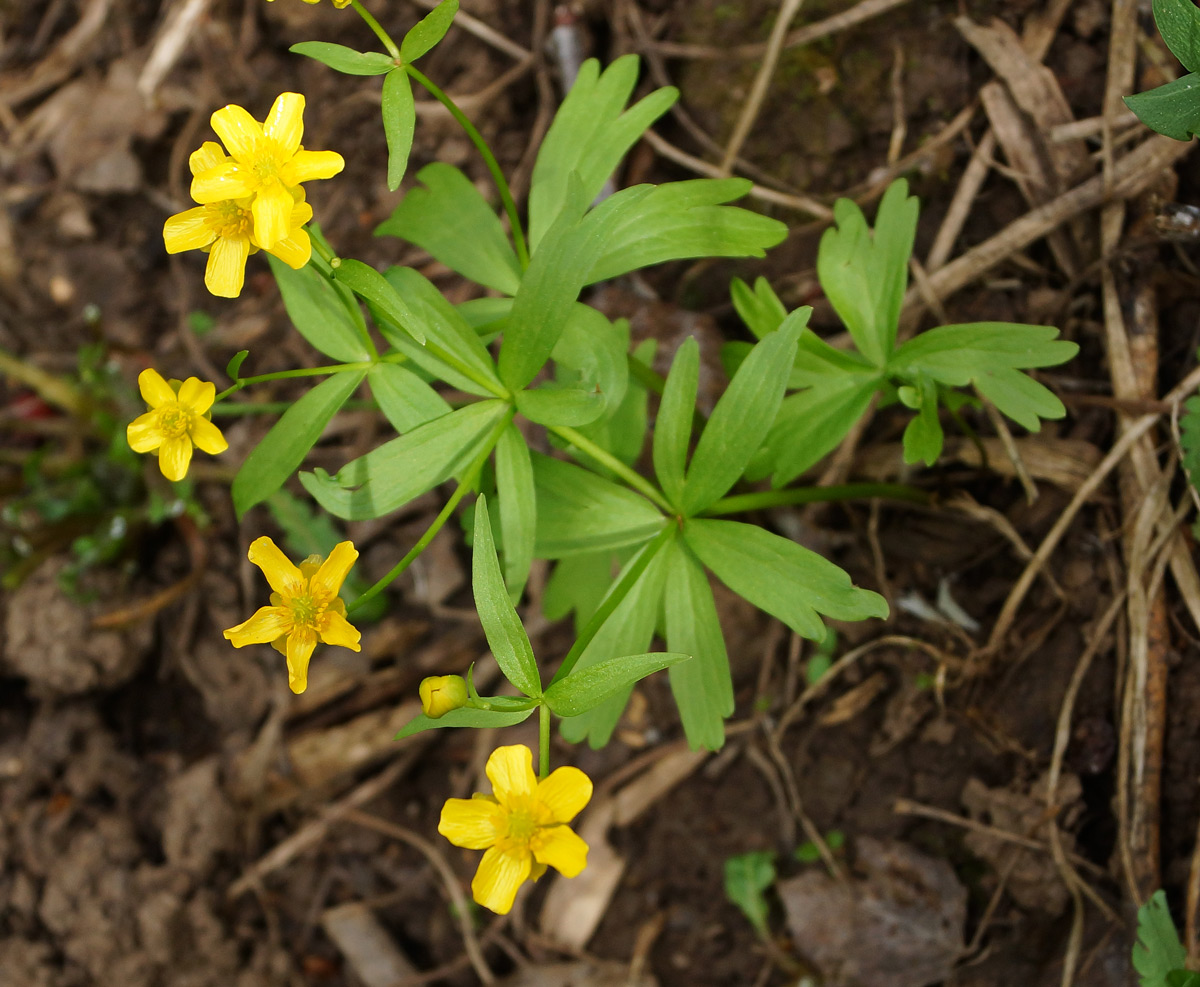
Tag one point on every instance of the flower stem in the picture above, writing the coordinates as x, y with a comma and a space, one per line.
543, 741
606, 458
386, 39
489, 159
467, 483
335, 368
741, 503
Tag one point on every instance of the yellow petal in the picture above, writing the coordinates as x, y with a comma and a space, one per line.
285, 122
272, 209
329, 578
207, 436
560, 847
228, 180
208, 155
472, 823
338, 631
510, 770
501, 874
284, 577
300, 645
197, 395
307, 166
565, 792
174, 457
225, 272
294, 250
267, 624
301, 211
187, 230
238, 130
143, 433
155, 391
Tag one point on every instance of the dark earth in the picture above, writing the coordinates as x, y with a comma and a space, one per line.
171, 816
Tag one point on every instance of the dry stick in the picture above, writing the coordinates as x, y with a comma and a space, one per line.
762, 81
473, 25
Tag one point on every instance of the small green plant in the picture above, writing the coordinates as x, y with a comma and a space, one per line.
1158, 955
1174, 109
747, 877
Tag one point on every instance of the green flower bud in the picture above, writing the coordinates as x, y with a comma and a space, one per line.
442, 693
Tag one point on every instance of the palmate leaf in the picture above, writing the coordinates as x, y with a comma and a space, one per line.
1158, 950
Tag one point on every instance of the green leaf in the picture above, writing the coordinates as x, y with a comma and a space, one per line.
702, 687
1172, 109
1189, 438
863, 274
589, 137
747, 876
517, 498
817, 361
320, 312
760, 309
740, 421
591, 355
428, 31
283, 448
1158, 950
560, 405
678, 220
923, 436
235, 364
1183, 978
369, 284
673, 427
389, 477
449, 219
813, 423
405, 400
956, 355
345, 60
1178, 22
501, 625
580, 512
399, 122
779, 576
622, 430
1019, 397
578, 583
466, 717
586, 688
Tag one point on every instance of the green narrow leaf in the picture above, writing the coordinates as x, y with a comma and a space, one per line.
428, 31
955, 355
405, 400
1178, 22
449, 218
747, 876
368, 283
501, 625
1020, 397
1158, 950
760, 309
1189, 438
702, 687
923, 435
812, 423
560, 405
591, 355
517, 498
578, 583
345, 60
399, 122
284, 447
673, 427
320, 313
622, 430
481, 719
1172, 109
740, 421
235, 364
779, 576
586, 688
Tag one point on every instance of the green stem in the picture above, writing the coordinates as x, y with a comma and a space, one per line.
467, 483
489, 159
380, 33
543, 741
335, 368
741, 503
232, 409
631, 477
613, 600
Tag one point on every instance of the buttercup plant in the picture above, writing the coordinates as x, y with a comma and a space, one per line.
632, 553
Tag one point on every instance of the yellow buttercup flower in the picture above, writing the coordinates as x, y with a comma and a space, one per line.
442, 693
522, 825
225, 229
305, 607
175, 422
266, 162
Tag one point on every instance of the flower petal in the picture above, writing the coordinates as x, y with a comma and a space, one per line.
197, 395
501, 874
338, 631
174, 457
560, 847
284, 577
510, 770
329, 578
565, 792
301, 212
300, 645
207, 155
238, 130
285, 122
155, 391
294, 250
187, 230
307, 166
143, 433
472, 823
226, 270
265, 626
228, 180
272, 210
207, 436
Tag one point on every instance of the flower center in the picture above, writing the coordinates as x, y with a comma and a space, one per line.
521, 825
306, 610
229, 220
174, 420
266, 166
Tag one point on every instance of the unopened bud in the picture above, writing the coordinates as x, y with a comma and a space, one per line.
442, 693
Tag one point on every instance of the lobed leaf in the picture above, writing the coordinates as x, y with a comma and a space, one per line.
1158, 950
747, 876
